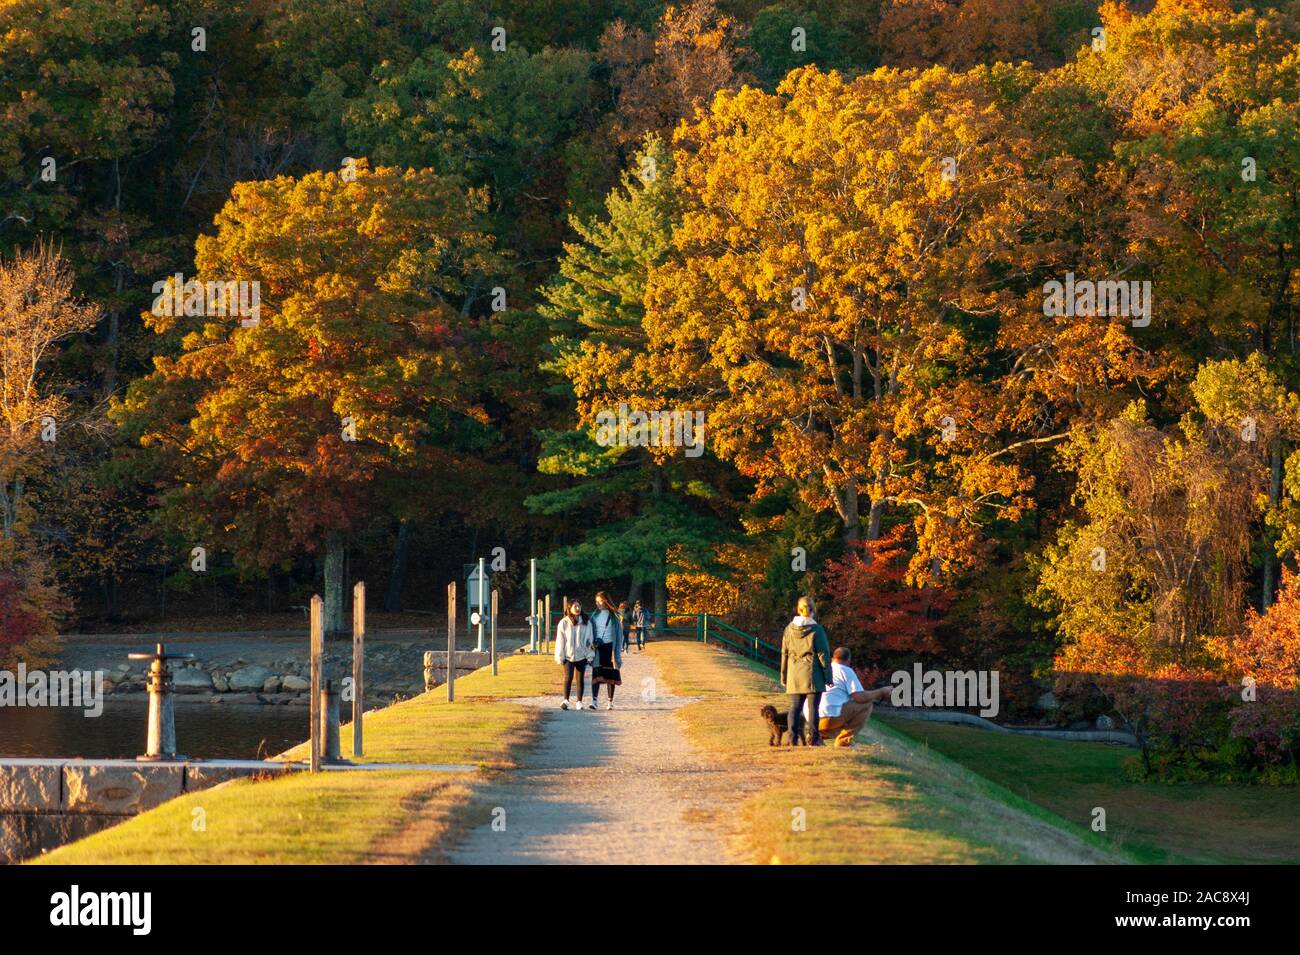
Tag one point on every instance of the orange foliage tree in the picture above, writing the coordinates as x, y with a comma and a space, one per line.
283, 436
837, 291
37, 311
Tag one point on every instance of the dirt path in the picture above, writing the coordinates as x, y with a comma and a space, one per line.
618, 786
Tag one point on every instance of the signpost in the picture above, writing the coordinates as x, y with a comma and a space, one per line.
476, 599
481, 604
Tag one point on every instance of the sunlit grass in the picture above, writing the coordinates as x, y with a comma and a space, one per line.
888, 801
347, 817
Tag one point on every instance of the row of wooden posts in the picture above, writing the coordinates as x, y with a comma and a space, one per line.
324, 701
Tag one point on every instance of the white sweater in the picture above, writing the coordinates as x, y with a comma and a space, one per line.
573, 642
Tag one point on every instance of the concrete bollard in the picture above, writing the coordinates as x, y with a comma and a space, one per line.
160, 743
429, 681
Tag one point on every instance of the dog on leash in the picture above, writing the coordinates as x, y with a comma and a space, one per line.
777, 723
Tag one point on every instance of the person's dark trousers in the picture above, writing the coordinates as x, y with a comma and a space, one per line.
570, 668
815, 733
795, 720
640, 638
604, 658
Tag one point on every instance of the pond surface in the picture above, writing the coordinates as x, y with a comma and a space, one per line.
214, 731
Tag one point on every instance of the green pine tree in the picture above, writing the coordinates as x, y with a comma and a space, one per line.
636, 509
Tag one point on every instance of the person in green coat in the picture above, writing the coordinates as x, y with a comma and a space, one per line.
805, 670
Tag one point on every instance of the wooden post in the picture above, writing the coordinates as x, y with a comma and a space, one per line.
358, 663
492, 624
706, 627
546, 622
537, 611
317, 648
451, 641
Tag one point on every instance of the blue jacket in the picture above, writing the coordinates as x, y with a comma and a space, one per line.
616, 632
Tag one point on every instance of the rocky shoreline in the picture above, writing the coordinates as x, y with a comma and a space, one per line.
268, 671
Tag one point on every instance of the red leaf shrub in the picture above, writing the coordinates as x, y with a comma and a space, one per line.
873, 610
26, 624
1266, 714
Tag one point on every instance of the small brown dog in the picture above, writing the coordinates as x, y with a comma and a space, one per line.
777, 723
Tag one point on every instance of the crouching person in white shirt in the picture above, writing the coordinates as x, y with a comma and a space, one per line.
846, 706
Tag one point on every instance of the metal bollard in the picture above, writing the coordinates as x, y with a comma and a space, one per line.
329, 724
161, 742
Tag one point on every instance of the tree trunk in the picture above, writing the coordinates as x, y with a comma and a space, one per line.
1270, 552
334, 551
661, 571
851, 513
397, 576
874, 518
846, 505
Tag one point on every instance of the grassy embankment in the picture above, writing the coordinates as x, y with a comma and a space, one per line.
1156, 822
890, 800
915, 805
339, 817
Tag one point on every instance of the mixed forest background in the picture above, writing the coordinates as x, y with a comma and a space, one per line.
826, 223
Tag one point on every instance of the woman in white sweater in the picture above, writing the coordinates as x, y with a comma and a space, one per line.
574, 650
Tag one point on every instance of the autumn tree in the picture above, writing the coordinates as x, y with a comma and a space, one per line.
824, 301
493, 119
38, 310
1162, 552
361, 373
961, 34
1207, 182
661, 76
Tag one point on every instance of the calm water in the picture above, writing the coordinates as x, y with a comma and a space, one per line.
202, 730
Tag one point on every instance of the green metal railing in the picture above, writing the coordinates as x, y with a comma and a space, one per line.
746, 644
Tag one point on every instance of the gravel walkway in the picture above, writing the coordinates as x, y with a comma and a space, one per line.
619, 786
